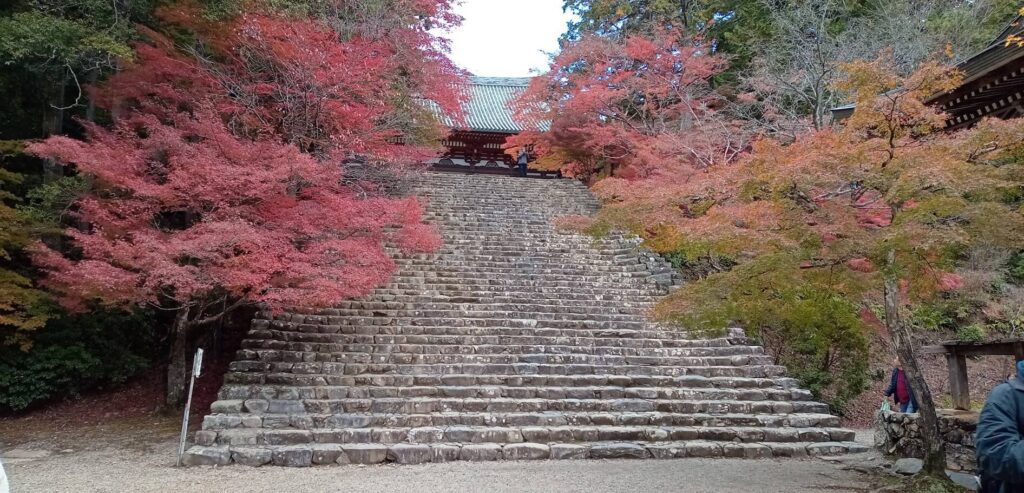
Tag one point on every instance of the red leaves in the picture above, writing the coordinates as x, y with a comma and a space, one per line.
949, 281
632, 107
861, 264
202, 186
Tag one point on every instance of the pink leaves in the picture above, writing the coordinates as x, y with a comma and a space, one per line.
949, 281
202, 185
632, 106
861, 264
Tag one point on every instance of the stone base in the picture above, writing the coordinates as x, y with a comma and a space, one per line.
404, 453
898, 434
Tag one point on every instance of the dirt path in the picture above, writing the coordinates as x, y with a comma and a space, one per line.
137, 455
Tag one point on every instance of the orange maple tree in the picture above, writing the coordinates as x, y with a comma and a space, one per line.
814, 244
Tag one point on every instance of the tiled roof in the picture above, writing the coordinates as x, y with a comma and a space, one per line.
994, 57
488, 108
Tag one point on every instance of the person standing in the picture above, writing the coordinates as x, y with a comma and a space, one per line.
899, 389
1000, 449
522, 160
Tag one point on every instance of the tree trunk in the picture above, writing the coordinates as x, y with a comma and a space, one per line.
53, 115
90, 109
177, 366
928, 422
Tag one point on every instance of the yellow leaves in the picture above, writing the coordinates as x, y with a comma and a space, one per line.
892, 108
867, 79
932, 78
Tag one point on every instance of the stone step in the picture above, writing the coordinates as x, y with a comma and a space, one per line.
402, 453
397, 358
482, 323
271, 368
623, 287
511, 341
448, 266
483, 326
622, 381
278, 392
393, 334
484, 311
546, 295
394, 308
535, 434
570, 259
523, 276
506, 298
225, 421
462, 336
454, 267
502, 304
262, 340
420, 405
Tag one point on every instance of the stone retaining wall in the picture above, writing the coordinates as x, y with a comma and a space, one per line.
898, 434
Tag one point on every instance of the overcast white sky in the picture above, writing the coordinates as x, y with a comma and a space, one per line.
507, 38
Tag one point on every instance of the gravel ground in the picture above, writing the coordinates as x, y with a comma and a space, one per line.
110, 469
136, 454
116, 471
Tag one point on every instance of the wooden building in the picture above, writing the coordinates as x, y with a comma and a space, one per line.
476, 144
993, 84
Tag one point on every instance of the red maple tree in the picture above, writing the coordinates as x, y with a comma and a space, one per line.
630, 107
220, 182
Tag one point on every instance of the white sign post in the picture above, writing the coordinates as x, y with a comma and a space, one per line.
197, 370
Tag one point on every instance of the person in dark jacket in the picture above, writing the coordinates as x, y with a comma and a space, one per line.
522, 160
899, 389
1000, 449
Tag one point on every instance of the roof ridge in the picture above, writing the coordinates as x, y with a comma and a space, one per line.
500, 81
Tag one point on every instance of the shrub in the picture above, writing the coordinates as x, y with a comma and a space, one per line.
76, 353
806, 324
971, 333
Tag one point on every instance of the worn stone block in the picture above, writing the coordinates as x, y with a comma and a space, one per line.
426, 435
205, 438
409, 454
826, 448
293, 456
253, 457
703, 449
746, 451
480, 452
287, 437
359, 453
206, 456
666, 450
326, 453
567, 451
226, 407
618, 451
525, 451
444, 452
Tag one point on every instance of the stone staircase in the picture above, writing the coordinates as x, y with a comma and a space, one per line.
512, 342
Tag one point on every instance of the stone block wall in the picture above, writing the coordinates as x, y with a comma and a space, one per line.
899, 434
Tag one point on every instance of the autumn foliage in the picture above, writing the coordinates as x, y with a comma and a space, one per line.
201, 189
794, 240
633, 107
221, 182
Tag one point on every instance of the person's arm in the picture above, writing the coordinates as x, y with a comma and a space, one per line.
892, 384
1000, 448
